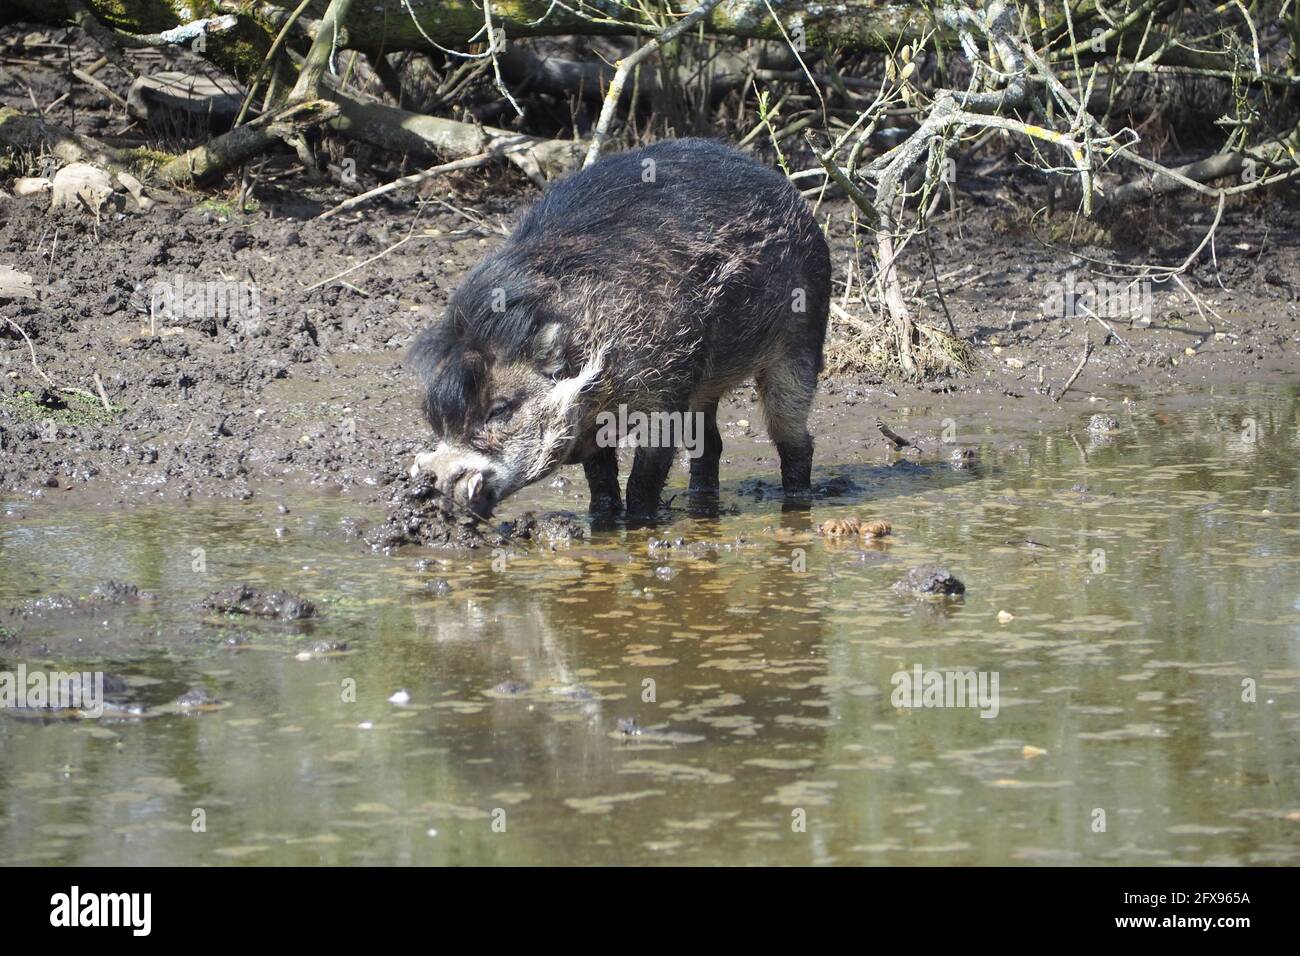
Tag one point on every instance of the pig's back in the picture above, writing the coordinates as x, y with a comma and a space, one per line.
681, 194
684, 256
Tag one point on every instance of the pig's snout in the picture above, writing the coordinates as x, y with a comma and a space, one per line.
467, 480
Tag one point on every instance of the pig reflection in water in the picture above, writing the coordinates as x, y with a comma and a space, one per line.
653, 282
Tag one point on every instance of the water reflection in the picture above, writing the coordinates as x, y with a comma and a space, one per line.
714, 691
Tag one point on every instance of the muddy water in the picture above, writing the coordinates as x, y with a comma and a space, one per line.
706, 702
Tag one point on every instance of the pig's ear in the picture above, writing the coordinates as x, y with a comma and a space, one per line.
550, 348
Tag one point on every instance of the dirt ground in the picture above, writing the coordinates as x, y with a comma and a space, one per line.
309, 390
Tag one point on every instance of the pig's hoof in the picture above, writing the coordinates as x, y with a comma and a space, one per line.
642, 519
605, 505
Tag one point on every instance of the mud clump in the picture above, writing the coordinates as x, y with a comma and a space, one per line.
930, 581
104, 597
837, 487
558, 528
421, 514
1103, 425
197, 699
118, 592
247, 600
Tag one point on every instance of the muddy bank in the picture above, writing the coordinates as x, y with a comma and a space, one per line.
310, 389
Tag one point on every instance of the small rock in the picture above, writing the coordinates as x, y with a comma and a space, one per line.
31, 186
962, 458
81, 185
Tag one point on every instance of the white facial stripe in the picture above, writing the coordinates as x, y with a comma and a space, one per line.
423, 462
566, 391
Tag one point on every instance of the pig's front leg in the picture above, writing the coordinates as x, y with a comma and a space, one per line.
601, 467
646, 483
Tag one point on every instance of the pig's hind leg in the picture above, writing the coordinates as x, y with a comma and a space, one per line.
601, 468
787, 387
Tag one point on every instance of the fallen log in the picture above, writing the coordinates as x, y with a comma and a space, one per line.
23, 133
428, 25
428, 137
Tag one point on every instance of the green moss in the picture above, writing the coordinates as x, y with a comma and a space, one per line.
78, 410
139, 16
146, 161
227, 207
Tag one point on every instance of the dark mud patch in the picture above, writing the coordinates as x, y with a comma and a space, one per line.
243, 599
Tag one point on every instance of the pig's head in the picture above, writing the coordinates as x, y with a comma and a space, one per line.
506, 390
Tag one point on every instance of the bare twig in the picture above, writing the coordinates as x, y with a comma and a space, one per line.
600, 135
406, 182
1078, 369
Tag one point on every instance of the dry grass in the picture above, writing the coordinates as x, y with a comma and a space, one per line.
870, 347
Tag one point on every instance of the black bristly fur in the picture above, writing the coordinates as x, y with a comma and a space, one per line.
666, 276
452, 357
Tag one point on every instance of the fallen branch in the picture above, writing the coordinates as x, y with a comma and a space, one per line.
269, 59
106, 39
244, 143
415, 134
32, 134
408, 181
66, 389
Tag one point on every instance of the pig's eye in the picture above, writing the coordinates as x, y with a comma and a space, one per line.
498, 411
